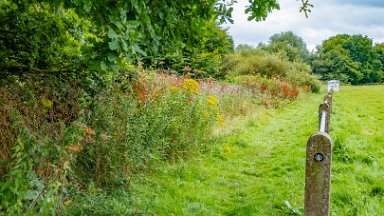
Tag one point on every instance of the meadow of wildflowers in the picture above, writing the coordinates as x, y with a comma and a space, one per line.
58, 141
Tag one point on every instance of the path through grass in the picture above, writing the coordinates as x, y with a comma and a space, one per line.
260, 169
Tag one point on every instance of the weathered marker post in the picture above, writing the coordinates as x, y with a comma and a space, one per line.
318, 164
318, 175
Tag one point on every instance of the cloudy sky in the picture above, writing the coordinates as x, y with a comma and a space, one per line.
328, 18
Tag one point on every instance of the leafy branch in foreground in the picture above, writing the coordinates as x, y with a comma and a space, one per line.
101, 33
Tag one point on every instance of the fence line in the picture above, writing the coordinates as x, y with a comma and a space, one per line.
318, 164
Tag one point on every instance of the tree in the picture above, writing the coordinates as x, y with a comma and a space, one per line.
379, 51
119, 29
293, 46
352, 58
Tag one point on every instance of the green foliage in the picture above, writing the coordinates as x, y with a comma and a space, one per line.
70, 123
224, 183
34, 165
38, 38
259, 62
143, 125
93, 35
351, 59
59, 141
290, 44
203, 60
259, 9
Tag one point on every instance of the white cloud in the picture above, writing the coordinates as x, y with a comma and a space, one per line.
328, 18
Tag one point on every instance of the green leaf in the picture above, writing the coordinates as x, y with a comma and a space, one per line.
87, 6
114, 45
112, 57
137, 49
103, 66
112, 34
31, 195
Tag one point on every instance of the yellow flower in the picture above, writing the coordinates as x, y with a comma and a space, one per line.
227, 149
47, 104
67, 202
191, 86
173, 88
212, 100
220, 119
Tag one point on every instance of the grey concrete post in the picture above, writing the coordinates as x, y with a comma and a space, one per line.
328, 100
318, 175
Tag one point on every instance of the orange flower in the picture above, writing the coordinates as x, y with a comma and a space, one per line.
89, 131
73, 148
89, 139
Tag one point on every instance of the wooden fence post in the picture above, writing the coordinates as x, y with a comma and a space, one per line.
318, 175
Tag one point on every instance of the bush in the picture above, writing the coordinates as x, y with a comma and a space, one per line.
35, 127
270, 66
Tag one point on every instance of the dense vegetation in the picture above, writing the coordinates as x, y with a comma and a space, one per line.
95, 36
259, 170
350, 58
94, 93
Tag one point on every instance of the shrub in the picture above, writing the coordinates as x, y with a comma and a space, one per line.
270, 66
35, 127
270, 92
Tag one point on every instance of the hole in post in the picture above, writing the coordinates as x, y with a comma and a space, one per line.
319, 157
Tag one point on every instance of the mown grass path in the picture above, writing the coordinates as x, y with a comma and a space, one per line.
260, 169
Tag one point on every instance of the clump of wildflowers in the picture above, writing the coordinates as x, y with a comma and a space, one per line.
173, 88
191, 86
220, 119
89, 131
212, 101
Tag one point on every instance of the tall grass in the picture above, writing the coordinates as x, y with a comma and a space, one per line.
59, 140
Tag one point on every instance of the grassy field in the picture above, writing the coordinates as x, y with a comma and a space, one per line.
258, 169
